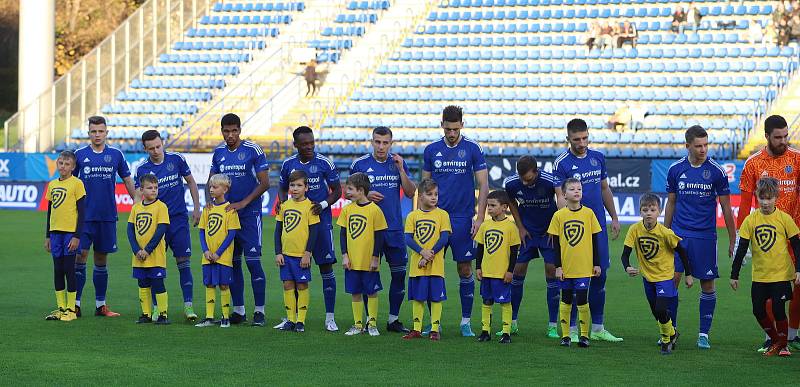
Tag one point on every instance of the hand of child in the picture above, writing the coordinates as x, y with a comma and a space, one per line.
689, 281
560, 273
422, 263
734, 284
596, 271
508, 277
479, 274
214, 257
346, 262
74, 243
47, 244
279, 260
427, 254
207, 255
142, 255
632, 271
305, 261
374, 264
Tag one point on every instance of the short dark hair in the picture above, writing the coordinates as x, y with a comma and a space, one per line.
774, 122
694, 132
569, 181
298, 175
576, 125
230, 119
526, 164
649, 199
427, 184
499, 195
148, 178
150, 135
382, 131
68, 154
301, 130
97, 120
453, 113
360, 181
767, 187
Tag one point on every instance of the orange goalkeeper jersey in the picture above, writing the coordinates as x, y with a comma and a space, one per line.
785, 168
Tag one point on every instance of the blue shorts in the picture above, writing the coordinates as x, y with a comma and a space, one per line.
702, 258
291, 270
248, 239
323, 251
538, 246
426, 288
177, 237
141, 273
59, 244
103, 235
659, 289
460, 242
394, 249
362, 282
496, 290
575, 283
215, 274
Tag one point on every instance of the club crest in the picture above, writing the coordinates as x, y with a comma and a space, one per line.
424, 230
462, 153
291, 218
170, 167
765, 237
706, 174
649, 247
573, 232
107, 158
493, 239
57, 196
313, 169
143, 222
214, 223
241, 156
356, 225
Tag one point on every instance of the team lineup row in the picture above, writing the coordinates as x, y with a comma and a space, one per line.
454, 163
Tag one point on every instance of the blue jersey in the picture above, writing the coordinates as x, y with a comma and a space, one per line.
321, 175
384, 178
453, 168
591, 171
536, 203
696, 190
99, 171
241, 165
170, 173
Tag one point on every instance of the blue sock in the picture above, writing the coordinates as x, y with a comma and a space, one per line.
329, 290
258, 280
673, 311
708, 302
397, 289
80, 276
517, 284
185, 271
553, 299
100, 280
467, 291
597, 297
237, 286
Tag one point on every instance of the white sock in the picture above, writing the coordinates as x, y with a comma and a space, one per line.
260, 309
703, 335
187, 304
328, 316
552, 325
598, 327
239, 310
766, 337
792, 334
465, 320
392, 318
78, 303
573, 331
514, 321
98, 304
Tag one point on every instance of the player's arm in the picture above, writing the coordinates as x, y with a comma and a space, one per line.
560, 200
745, 202
426, 174
514, 208
409, 187
482, 177
684, 257
130, 187
608, 203
669, 209
595, 255
333, 196
195, 198
263, 185
313, 231
512, 261
730, 223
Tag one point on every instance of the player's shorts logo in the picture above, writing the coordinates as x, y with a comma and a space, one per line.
356, 225
649, 247
573, 231
214, 223
424, 230
57, 196
493, 240
291, 218
143, 223
765, 236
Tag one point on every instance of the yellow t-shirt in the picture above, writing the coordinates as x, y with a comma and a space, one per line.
64, 196
361, 223
497, 237
655, 250
426, 226
217, 223
145, 219
297, 218
769, 236
574, 230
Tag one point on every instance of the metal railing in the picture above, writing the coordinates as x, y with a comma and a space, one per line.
101, 74
772, 94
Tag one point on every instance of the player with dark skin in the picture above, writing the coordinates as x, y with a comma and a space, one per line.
231, 133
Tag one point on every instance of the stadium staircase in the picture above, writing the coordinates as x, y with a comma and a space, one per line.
788, 106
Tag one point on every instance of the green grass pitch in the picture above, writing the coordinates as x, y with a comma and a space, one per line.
94, 350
